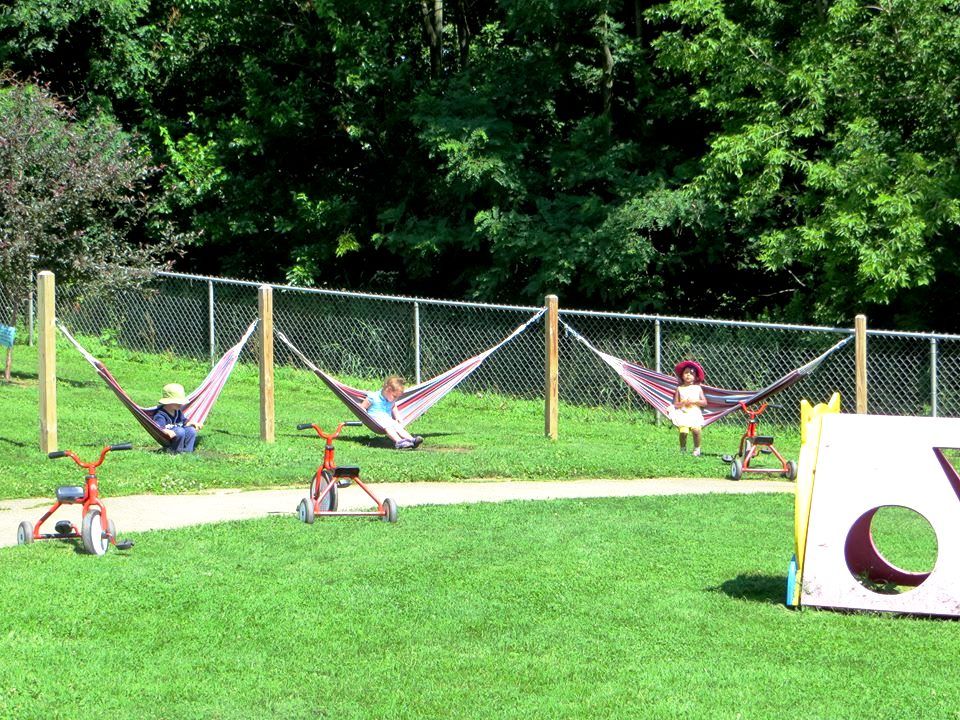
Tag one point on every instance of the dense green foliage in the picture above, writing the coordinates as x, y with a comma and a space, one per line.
656, 607
740, 157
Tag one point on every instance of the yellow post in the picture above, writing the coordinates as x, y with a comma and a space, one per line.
552, 380
265, 340
47, 353
860, 333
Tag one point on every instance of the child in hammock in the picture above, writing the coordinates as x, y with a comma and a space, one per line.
382, 407
688, 400
169, 416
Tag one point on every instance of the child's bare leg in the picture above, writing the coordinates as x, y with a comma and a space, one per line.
696, 440
683, 439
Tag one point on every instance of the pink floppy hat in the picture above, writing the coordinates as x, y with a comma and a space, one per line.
692, 364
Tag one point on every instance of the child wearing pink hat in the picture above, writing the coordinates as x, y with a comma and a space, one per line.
687, 401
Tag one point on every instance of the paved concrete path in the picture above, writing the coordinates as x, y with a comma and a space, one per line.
136, 513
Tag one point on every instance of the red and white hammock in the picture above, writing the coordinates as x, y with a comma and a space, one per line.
414, 401
199, 402
658, 389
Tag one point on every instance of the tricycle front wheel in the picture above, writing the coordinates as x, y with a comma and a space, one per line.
95, 540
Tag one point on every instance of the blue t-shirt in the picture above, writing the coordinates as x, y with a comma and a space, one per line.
379, 405
165, 420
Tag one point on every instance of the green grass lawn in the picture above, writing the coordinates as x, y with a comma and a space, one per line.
468, 435
660, 607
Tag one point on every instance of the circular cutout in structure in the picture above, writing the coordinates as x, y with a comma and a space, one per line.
891, 549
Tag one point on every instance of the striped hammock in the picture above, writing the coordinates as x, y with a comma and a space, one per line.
199, 402
658, 389
414, 401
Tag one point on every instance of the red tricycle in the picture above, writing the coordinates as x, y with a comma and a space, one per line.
752, 445
97, 531
330, 477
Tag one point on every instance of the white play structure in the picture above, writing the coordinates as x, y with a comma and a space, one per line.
850, 467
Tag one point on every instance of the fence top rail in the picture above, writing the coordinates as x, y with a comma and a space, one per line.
755, 324
709, 321
348, 293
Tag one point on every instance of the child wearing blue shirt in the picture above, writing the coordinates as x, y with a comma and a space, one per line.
381, 406
170, 417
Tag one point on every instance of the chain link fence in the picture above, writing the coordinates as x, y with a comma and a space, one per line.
370, 336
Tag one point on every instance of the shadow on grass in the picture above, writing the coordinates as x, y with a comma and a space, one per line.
755, 588
22, 378
12, 442
378, 441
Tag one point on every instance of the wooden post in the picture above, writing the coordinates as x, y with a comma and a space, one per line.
47, 354
265, 339
860, 332
551, 389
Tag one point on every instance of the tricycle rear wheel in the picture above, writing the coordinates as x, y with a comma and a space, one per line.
25, 533
736, 470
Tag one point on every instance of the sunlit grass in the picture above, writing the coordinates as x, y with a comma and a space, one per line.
655, 607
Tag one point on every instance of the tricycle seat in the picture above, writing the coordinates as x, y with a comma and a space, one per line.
762, 440
70, 493
346, 471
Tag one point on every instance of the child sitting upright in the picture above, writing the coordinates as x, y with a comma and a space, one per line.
687, 401
382, 407
169, 416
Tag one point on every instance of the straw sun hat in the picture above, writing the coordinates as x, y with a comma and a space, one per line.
173, 394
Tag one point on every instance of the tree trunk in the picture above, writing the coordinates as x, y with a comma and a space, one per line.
432, 11
607, 89
463, 34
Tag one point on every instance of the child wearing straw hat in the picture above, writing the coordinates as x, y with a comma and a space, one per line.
169, 416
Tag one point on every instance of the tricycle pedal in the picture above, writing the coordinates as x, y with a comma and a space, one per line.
124, 544
63, 527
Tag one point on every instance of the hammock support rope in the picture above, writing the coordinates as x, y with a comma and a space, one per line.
658, 389
414, 401
199, 402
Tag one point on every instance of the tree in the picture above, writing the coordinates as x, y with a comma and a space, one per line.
834, 162
77, 198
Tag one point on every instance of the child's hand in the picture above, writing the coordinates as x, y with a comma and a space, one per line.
171, 434
194, 425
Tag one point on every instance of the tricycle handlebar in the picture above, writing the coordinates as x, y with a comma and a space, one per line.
89, 465
327, 436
